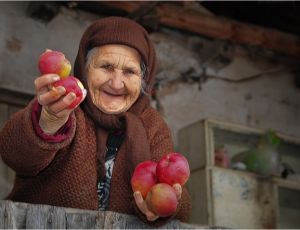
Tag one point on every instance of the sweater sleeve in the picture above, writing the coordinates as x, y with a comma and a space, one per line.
160, 144
23, 149
59, 136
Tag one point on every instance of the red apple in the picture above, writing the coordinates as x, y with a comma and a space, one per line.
71, 84
144, 177
173, 168
162, 200
54, 62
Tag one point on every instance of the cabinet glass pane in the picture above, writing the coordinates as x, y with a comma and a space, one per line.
289, 208
234, 142
290, 154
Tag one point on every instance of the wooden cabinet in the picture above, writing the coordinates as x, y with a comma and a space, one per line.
226, 197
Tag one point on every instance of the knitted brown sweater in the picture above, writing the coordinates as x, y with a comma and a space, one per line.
65, 173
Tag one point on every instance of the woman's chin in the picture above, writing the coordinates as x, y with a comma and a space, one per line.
112, 110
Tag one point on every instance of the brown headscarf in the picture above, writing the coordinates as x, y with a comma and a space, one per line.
117, 30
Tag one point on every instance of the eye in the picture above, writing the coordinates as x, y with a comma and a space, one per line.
107, 67
130, 72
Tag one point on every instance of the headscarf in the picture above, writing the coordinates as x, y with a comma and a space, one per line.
123, 31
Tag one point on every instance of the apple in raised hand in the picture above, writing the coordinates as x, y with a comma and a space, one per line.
173, 168
54, 62
162, 200
71, 84
144, 177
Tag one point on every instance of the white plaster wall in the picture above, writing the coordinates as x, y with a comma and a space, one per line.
271, 101
256, 88
30, 38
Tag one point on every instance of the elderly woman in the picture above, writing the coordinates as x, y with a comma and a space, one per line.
84, 158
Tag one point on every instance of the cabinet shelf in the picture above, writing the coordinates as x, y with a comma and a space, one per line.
226, 197
291, 184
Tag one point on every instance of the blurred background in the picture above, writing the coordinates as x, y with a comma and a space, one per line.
227, 73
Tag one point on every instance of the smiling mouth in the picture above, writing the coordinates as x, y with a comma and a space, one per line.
113, 94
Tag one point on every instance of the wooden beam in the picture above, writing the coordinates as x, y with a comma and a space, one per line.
128, 7
143, 10
172, 15
222, 28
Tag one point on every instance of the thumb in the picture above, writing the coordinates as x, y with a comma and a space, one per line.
178, 190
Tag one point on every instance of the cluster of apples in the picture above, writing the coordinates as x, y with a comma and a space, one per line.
55, 62
155, 181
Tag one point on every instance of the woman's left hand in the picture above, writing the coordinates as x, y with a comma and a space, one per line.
143, 207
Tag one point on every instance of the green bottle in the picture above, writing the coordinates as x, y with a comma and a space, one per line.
264, 158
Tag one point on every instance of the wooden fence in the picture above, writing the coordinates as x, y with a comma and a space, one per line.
22, 215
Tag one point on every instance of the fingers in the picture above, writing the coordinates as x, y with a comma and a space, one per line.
151, 216
140, 202
51, 95
68, 100
178, 190
61, 105
41, 83
44, 95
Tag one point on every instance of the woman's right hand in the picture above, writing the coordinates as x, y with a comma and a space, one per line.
55, 112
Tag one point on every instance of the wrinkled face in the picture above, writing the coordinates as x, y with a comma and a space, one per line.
114, 78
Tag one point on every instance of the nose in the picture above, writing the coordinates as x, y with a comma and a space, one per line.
116, 80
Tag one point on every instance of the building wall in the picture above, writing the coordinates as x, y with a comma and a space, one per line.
23, 39
233, 83
197, 77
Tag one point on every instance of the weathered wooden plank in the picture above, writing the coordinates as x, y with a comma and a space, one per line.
174, 224
36, 216
115, 220
20, 212
192, 226
45, 217
81, 220
100, 219
7, 213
